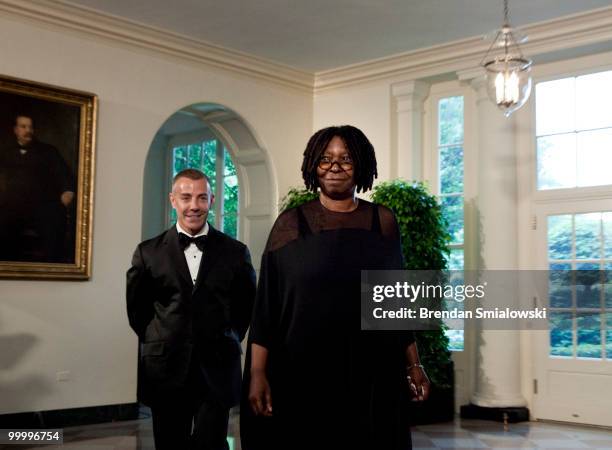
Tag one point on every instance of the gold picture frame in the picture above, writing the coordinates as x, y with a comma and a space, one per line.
47, 149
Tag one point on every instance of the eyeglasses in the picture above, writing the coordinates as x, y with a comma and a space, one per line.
326, 163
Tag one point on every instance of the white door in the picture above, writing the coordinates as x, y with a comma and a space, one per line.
573, 358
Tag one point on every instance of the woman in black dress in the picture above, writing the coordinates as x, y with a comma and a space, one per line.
312, 379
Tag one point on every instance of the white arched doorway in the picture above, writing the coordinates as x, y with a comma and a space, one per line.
257, 187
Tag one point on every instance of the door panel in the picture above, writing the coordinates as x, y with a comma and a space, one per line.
573, 359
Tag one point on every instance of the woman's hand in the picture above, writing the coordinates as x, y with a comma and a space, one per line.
260, 396
418, 383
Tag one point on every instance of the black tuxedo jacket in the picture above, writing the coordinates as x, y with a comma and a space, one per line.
184, 326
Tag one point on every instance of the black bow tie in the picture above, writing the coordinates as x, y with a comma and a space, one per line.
185, 241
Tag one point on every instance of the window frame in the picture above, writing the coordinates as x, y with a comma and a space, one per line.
563, 201
432, 163
561, 194
437, 187
574, 309
533, 206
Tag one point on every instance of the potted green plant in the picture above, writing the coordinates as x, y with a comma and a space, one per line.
425, 239
296, 197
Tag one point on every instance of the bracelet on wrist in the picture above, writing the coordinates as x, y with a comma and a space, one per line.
416, 365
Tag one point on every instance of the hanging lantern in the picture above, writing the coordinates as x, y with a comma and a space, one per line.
508, 71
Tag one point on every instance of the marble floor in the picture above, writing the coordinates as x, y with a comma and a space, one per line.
460, 434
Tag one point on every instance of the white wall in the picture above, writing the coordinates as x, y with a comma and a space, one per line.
81, 327
366, 106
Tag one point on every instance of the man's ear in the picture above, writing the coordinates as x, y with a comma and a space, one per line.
171, 198
212, 199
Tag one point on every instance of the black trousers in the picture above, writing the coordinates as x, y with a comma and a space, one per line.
190, 419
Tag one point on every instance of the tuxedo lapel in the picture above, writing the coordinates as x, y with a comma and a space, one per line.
177, 258
212, 250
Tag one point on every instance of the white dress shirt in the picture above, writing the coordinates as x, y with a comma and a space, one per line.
193, 255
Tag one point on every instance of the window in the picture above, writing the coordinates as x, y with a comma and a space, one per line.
450, 188
574, 132
580, 288
212, 158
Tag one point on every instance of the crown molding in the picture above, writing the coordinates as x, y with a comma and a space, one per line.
68, 16
591, 27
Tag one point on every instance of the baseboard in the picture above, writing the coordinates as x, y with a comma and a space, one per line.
61, 418
509, 415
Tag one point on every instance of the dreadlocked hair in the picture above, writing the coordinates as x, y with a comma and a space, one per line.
359, 147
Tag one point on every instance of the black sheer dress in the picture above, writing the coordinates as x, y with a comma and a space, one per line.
332, 386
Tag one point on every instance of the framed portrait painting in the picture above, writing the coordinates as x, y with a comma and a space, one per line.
47, 147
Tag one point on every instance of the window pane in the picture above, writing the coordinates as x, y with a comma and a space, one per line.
452, 209
560, 237
455, 260
588, 285
450, 121
455, 339
607, 280
556, 161
574, 132
589, 335
561, 334
230, 225
208, 167
593, 99
592, 279
211, 217
588, 242
594, 160
230, 169
194, 159
450, 174
607, 233
560, 285
555, 108
230, 206
179, 157
230, 193
609, 335
451, 170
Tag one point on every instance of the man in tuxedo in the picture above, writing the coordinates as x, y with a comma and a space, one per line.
190, 293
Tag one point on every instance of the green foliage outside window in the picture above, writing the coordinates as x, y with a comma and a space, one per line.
579, 250
230, 197
450, 143
450, 120
451, 174
425, 239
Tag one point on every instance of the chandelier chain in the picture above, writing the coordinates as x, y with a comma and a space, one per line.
506, 14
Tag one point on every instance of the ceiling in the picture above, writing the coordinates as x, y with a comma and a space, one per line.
317, 35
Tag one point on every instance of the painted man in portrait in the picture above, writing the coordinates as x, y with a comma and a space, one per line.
36, 194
